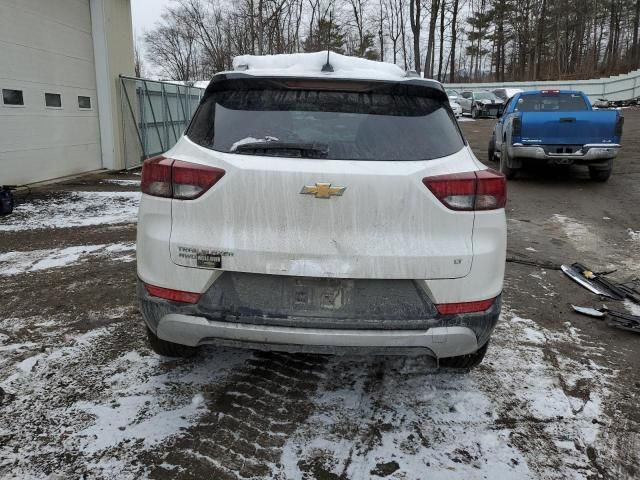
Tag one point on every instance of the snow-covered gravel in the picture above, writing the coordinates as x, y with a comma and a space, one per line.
500, 421
527, 412
83, 395
73, 209
14, 263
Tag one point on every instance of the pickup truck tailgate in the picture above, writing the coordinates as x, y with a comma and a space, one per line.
570, 128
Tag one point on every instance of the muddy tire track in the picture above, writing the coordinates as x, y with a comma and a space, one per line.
249, 418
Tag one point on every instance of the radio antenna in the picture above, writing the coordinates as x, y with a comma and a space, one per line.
327, 67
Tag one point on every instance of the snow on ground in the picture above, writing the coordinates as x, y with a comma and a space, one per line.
14, 263
634, 234
73, 209
527, 412
633, 308
517, 416
465, 119
85, 397
582, 236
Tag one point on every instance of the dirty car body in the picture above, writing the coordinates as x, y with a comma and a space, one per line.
324, 214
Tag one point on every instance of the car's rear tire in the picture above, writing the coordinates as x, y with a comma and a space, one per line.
601, 174
469, 361
169, 349
491, 150
508, 171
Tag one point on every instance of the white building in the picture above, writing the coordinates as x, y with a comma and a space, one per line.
59, 99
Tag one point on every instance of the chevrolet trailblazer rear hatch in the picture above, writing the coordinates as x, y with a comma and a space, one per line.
325, 178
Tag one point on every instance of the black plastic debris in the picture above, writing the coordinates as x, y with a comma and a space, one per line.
600, 285
615, 319
6, 200
623, 320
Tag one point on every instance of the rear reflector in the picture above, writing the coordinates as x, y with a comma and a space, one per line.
173, 295
466, 307
165, 177
469, 191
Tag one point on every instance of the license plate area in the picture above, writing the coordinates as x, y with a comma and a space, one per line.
315, 293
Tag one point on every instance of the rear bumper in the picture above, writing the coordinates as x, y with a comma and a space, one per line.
590, 153
488, 112
438, 342
439, 336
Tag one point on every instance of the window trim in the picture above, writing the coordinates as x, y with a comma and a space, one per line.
8, 105
90, 103
61, 107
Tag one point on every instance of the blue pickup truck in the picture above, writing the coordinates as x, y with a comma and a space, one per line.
556, 127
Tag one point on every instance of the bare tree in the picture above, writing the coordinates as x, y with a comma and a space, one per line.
138, 61
476, 39
415, 20
172, 45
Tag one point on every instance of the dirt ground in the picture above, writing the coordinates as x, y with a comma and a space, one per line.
82, 395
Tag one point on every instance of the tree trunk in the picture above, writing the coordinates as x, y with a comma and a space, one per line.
452, 73
415, 19
441, 56
433, 20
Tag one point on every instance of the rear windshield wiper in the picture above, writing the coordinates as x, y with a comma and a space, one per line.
284, 149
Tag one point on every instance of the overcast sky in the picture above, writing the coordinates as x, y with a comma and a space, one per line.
145, 13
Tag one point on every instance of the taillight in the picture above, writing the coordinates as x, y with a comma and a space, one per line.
619, 125
465, 307
156, 177
516, 127
173, 295
166, 177
482, 190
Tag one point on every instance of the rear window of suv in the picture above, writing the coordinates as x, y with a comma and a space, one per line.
344, 125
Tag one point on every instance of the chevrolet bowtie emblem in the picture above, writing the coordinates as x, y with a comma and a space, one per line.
322, 190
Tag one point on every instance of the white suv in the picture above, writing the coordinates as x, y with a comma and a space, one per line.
310, 210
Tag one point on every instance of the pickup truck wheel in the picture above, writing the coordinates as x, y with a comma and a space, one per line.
465, 361
169, 349
474, 113
601, 174
491, 150
505, 169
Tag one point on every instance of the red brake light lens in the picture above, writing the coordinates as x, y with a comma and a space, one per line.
466, 307
456, 191
491, 190
191, 180
173, 295
166, 177
156, 177
469, 191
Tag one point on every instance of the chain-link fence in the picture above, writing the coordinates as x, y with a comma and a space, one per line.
154, 116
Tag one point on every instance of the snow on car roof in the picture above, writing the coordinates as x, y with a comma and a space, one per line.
310, 65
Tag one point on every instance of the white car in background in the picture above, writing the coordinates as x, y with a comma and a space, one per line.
457, 109
505, 94
453, 101
306, 210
